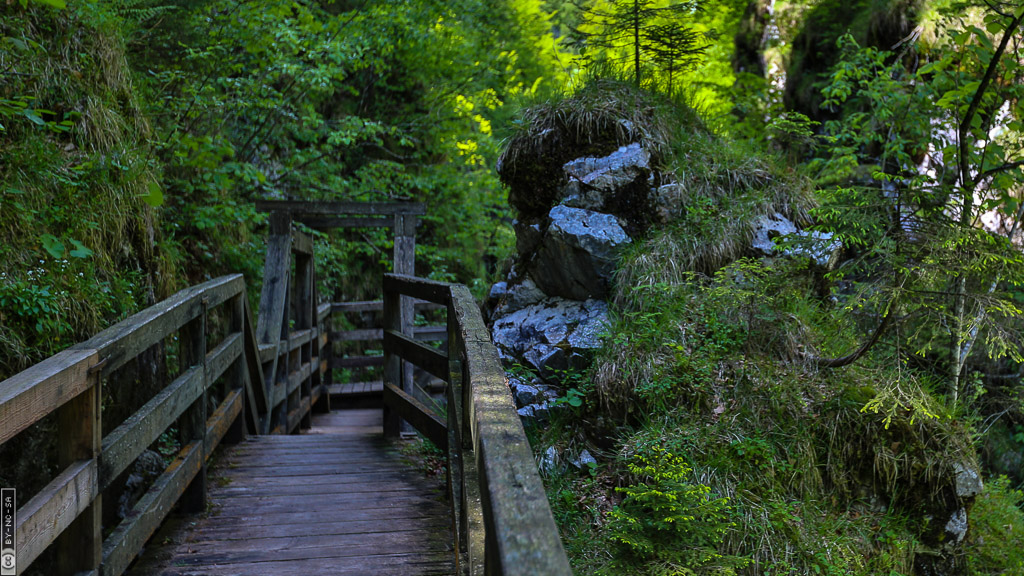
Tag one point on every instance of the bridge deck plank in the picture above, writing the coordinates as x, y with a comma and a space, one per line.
338, 500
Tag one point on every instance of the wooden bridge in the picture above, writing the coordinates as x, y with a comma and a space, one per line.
279, 480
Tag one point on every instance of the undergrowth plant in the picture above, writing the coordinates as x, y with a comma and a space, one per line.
716, 359
667, 525
997, 530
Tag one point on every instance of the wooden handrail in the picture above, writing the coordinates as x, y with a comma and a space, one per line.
68, 510
502, 519
268, 385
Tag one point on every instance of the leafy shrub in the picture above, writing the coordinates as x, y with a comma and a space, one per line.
668, 525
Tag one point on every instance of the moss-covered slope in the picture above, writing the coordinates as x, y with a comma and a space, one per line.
723, 443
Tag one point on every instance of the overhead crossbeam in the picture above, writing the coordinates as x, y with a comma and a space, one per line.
338, 208
325, 215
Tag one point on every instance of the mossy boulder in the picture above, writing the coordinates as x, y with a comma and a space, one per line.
592, 124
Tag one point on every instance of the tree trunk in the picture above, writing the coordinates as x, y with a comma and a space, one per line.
636, 41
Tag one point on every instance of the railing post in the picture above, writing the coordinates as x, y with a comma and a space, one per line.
392, 320
80, 546
405, 263
473, 519
235, 378
456, 486
323, 355
305, 318
329, 326
284, 357
192, 424
320, 345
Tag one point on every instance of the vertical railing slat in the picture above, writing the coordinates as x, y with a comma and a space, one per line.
192, 424
79, 426
392, 363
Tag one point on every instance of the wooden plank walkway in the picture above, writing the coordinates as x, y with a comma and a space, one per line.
357, 388
339, 499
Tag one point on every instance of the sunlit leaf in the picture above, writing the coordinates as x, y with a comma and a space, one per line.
52, 3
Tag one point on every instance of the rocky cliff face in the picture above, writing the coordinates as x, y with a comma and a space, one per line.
549, 312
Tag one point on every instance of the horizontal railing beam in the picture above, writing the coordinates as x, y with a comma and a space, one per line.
221, 420
122, 446
298, 376
357, 362
37, 391
429, 290
220, 358
127, 339
427, 358
422, 417
121, 547
422, 333
300, 208
54, 508
378, 305
300, 337
327, 222
522, 537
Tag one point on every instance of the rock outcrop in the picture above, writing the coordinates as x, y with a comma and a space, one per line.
818, 247
552, 335
575, 258
550, 311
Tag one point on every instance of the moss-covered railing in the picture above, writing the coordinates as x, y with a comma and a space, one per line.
503, 524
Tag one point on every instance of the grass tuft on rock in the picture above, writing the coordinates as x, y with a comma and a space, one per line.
722, 188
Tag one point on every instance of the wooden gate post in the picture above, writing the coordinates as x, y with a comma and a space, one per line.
405, 263
392, 363
235, 377
305, 318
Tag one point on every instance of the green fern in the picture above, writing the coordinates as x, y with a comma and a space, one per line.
138, 11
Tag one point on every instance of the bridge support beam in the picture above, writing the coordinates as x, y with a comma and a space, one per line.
405, 263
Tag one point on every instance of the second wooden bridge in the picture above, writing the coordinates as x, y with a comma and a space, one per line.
336, 499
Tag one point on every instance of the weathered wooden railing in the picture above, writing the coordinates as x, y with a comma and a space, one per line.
503, 524
291, 332
69, 509
372, 334
68, 512
268, 378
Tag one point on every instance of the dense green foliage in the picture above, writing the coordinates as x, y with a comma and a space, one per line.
749, 416
830, 408
668, 523
161, 123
